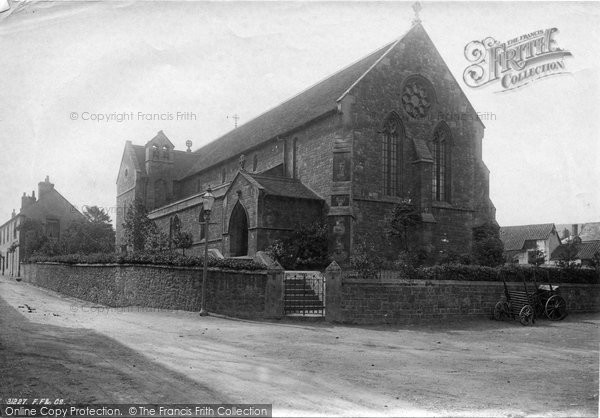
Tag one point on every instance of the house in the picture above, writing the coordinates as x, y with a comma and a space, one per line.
520, 241
585, 253
50, 208
346, 151
586, 232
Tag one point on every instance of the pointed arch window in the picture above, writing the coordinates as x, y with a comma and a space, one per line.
392, 151
440, 150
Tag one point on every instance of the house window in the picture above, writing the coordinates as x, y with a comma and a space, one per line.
52, 228
440, 150
392, 154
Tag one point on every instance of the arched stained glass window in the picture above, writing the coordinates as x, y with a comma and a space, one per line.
392, 151
440, 150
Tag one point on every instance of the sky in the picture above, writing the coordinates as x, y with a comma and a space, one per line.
63, 64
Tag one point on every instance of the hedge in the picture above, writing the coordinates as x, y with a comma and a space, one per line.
507, 273
164, 258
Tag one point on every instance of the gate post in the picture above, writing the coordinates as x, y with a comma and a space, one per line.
274, 291
333, 295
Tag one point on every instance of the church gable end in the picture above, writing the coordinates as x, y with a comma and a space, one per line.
417, 137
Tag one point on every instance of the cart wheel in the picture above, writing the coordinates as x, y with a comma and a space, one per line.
527, 316
538, 303
501, 311
556, 308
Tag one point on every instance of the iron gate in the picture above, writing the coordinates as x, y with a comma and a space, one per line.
304, 293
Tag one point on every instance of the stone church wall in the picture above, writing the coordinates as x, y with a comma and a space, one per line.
189, 223
281, 216
313, 167
380, 93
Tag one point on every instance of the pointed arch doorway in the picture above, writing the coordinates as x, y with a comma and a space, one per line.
238, 231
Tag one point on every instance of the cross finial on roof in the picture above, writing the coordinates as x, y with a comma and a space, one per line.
235, 118
417, 8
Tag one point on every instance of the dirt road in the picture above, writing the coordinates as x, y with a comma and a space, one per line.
55, 346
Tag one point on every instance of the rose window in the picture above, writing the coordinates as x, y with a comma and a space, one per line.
415, 100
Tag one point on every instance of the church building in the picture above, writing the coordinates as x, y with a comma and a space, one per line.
395, 125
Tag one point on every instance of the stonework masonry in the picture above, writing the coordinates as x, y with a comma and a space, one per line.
259, 294
337, 141
402, 301
244, 294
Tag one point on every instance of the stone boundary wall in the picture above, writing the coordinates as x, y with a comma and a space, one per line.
244, 294
402, 301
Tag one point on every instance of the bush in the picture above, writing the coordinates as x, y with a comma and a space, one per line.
164, 259
508, 273
487, 247
304, 249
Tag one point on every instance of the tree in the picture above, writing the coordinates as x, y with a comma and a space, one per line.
137, 226
84, 237
33, 237
306, 247
183, 240
536, 257
595, 262
567, 254
155, 240
404, 219
366, 260
487, 247
96, 215
93, 235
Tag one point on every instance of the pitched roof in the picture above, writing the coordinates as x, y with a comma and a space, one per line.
585, 250
182, 161
310, 104
140, 155
422, 150
281, 186
161, 138
35, 210
514, 237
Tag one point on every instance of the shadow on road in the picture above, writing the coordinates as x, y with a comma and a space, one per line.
83, 366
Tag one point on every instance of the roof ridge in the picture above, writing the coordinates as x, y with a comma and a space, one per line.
274, 177
520, 226
392, 46
303, 91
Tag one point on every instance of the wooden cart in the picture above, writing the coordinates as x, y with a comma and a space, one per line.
549, 303
516, 304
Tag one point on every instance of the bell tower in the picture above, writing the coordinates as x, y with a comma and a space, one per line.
159, 169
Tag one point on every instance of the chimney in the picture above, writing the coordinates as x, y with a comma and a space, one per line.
44, 187
575, 230
24, 201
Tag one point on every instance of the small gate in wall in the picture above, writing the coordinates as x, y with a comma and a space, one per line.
304, 293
